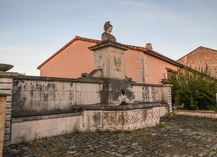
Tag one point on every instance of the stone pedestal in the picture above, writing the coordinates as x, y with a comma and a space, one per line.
109, 57
3, 99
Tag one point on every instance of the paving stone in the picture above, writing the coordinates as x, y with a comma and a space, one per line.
181, 136
71, 152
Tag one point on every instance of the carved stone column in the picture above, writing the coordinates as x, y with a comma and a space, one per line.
109, 57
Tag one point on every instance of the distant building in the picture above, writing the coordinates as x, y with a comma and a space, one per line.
142, 64
200, 58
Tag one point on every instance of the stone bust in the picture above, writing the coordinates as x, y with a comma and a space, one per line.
107, 36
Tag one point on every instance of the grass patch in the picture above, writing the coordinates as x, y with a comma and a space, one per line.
160, 125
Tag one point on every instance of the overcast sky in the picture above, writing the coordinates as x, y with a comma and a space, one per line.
33, 30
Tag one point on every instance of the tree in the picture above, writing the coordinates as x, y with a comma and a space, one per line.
194, 90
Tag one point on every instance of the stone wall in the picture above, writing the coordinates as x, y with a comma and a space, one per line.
152, 93
134, 92
40, 96
44, 106
123, 119
92, 118
147, 93
208, 114
30, 128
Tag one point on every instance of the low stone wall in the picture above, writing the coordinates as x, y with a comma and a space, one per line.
124, 119
147, 93
208, 114
163, 110
30, 128
152, 93
92, 118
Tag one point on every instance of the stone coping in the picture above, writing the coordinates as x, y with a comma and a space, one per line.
108, 43
152, 85
147, 85
83, 108
121, 107
41, 78
32, 118
80, 80
8, 74
197, 111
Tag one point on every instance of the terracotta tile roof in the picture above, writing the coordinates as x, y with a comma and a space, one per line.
132, 47
98, 41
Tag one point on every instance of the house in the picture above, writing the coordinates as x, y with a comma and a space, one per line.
200, 58
142, 64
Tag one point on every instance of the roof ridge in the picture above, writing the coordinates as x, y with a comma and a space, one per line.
98, 41
86, 39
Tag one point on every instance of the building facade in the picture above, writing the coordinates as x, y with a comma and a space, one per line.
200, 58
142, 64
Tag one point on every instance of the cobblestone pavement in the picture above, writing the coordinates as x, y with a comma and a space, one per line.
175, 136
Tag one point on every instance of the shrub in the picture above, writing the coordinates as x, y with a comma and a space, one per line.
194, 90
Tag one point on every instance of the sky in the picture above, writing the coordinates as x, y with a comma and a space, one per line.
33, 30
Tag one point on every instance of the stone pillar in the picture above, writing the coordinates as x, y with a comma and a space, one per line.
6, 85
167, 97
109, 57
3, 100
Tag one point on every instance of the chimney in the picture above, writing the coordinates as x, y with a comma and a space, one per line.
148, 46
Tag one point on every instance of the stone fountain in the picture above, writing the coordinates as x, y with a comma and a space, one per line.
118, 109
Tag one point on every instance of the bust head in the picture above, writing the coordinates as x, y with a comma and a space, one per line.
108, 27
107, 34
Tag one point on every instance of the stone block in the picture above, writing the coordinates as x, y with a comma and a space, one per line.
7, 143
6, 80
7, 130
8, 117
8, 92
5, 86
7, 124
7, 137
8, 111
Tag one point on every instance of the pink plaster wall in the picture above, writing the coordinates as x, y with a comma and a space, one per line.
132, 64
77, 58
155, 69
71, 62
